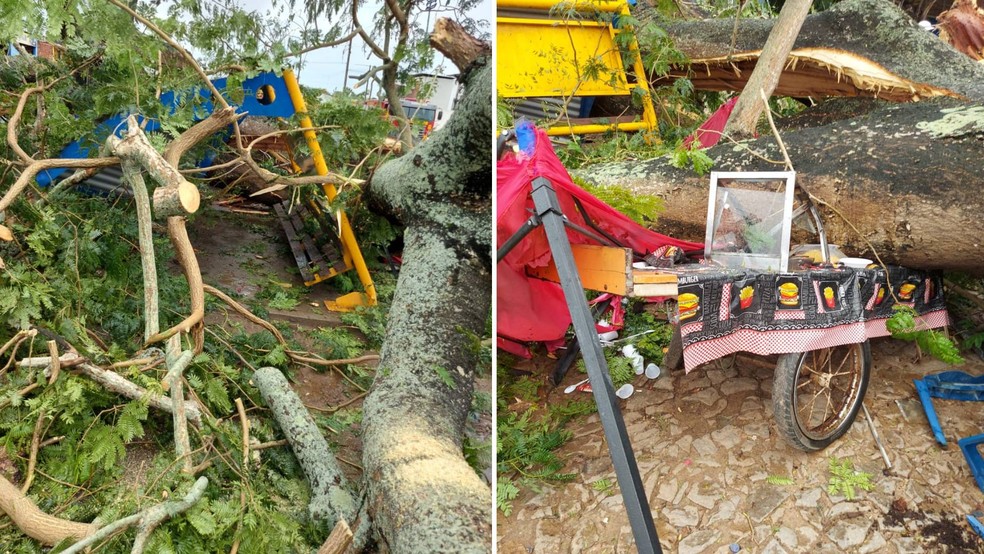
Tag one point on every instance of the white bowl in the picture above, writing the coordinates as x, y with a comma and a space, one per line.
856, 263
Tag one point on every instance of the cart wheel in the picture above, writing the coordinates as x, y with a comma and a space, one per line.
817, 394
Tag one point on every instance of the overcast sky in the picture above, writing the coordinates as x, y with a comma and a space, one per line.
325, 68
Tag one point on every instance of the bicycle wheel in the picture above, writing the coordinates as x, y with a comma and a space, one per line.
816, 395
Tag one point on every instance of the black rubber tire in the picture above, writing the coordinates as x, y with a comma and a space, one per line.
795, 381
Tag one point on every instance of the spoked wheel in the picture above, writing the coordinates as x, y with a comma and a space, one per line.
817, 394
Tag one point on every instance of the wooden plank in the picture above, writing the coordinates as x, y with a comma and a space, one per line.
602, 268
646, 282
642, 290
295, 247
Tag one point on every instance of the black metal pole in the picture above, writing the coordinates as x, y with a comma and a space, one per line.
619, 446
530, 224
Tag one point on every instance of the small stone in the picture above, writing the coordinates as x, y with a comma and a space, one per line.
705, 447
809, 499
728, 437
725, 512
773, 547
548, 538
667, 491
704, 496
764, 501
741, 384
696, 543
706, 396
875, 544
680, 517
850, 533
787, 537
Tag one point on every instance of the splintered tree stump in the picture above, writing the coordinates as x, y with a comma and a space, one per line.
451, 39
331, 500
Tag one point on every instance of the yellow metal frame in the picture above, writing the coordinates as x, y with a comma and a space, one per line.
352, 254
513, 59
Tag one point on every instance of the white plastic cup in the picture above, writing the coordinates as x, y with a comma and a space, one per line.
652, 371
625, 391
608, 336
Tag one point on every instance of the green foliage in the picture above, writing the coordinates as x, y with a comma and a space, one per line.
445, 375
605, 486
528, 434
526, 444
370, 321
280, 296
338, 342
505, 492
504, 113
780, 480
844, 478
694, 158
657, 333
639, 207
902, 325
612, 147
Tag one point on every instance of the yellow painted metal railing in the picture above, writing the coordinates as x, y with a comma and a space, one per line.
349, 301
539, 56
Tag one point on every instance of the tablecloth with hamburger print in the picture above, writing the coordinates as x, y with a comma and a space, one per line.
723, 311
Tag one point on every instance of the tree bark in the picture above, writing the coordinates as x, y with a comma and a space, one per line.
422, 495
905, 175
331, 501
748, 109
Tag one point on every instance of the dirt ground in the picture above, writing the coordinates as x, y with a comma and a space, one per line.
706, 446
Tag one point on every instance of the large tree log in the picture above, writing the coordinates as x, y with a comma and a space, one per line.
906, 175
422, 495
858, 47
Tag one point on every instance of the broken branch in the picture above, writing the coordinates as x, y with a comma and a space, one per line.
330, 499
46, 529
114, 382
146, 520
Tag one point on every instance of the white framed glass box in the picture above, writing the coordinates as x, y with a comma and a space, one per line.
749, 219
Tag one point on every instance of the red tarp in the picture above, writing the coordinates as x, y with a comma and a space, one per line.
709, 132
531, 309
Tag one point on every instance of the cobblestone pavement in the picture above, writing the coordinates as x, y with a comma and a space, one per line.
706, 443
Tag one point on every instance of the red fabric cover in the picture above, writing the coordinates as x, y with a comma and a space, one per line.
709, 132
530, 309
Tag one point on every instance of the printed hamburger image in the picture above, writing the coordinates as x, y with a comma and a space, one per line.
788, 293
688, 303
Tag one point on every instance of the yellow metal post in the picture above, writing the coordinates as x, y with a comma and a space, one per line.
349, 301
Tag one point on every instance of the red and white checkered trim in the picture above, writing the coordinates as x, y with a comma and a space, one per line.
789, 314
771, 342
795, 340
724, 313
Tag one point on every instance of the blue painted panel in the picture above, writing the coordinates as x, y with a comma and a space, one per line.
281, 106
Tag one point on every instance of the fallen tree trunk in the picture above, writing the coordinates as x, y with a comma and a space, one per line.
422, 494
856, 48
905, 175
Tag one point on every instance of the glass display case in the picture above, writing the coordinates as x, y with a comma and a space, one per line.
749, 219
